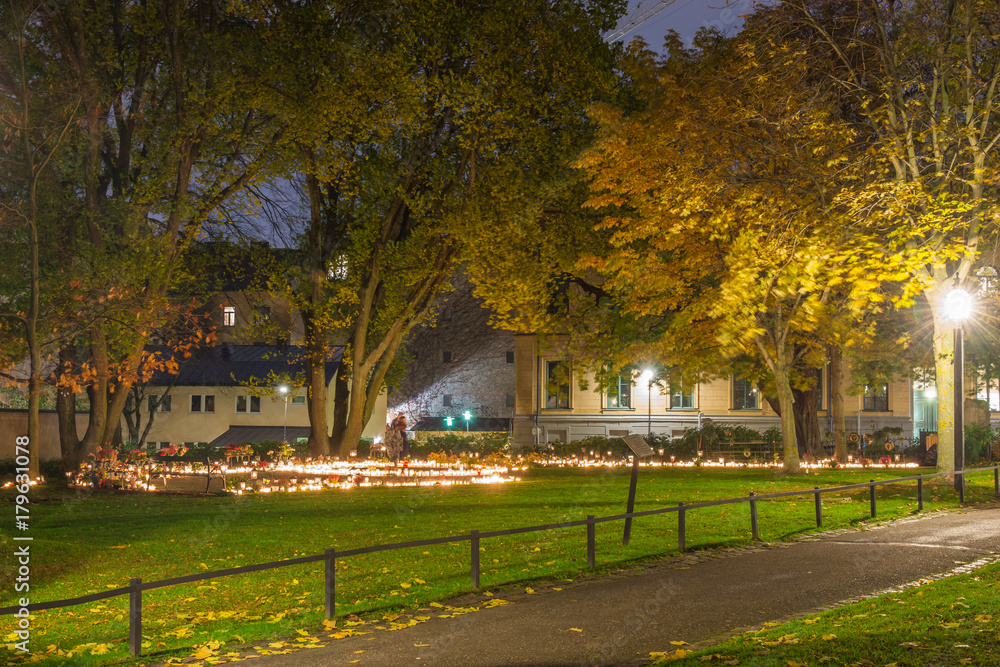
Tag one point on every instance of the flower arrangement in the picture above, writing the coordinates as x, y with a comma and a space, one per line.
107, 453
135, 456
173, 450
236, 451
284, 449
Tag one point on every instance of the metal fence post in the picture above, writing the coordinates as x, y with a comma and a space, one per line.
996, 481
680, 526
871, 493
920, 493
591, 542
753, 516
960, 480
135, 617
819, 508
475, 559
330, 584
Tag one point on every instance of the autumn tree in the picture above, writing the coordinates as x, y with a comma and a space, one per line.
726, 214
920, 81
164, 134
34, 126
413, 129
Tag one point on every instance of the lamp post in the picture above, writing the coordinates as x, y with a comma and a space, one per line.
468, 416
283, 389
958, 308
647, 375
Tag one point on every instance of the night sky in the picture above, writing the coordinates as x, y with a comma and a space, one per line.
686, 16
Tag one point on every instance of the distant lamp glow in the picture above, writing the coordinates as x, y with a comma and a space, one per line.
283, 390
958, 305
467, 415
647, 375
449, 421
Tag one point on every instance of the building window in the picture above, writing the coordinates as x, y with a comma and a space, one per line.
620, 392
204, 403
446, 356
248, 404
447, 400
681, 397
876, 398
510, 357
159, 403
557, 384
229, 316
510, 400
298, 399
744, 394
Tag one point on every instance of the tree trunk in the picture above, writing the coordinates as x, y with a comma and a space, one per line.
319, 440
807, 420
837, 403
944, 367
341, 402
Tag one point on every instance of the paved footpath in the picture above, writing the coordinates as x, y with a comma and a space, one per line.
619, 619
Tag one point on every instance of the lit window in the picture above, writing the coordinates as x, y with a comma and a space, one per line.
620, 392
557, 384
159, 403
298, 399
744, 394
681, 397
248, 404
876, 398
228, 316
204, 403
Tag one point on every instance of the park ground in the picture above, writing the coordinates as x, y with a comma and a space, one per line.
86, 543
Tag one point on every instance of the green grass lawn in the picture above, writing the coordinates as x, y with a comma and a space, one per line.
85, 543
954, 621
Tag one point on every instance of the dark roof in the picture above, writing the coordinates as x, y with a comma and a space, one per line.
489, 424
234, 365
240, 434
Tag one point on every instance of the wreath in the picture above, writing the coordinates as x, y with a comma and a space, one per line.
853, 437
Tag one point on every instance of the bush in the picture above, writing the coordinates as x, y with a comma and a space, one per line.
48, 467
483, 443
978, 441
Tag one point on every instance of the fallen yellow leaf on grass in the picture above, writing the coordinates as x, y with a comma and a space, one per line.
792, 663
361, 651
810, 621
403, 584
575, 630
419, 581
829, 637
679, 643
421, 645
529, 591
123, 546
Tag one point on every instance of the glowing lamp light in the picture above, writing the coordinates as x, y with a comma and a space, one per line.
467, 415
958, 305
647, 375
449, 421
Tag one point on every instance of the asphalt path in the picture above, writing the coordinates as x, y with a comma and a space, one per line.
619, 619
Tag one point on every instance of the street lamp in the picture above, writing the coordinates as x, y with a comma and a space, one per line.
958, 308
283, 389
647, 375
468, 416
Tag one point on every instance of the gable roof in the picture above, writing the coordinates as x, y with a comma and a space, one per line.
228, 365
